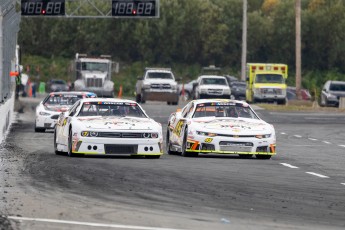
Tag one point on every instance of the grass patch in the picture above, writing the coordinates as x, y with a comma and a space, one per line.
296, 105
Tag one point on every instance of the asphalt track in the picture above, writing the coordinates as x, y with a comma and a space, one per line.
302, 187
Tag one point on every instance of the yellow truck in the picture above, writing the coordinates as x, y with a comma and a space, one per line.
266, 82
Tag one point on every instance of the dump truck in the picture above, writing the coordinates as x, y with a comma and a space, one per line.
93, 74
266, 83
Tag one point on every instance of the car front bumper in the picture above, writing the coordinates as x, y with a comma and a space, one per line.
231, 145
47, 122
116, 146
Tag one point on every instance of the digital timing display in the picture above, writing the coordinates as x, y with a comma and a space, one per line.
135, 8
43, 7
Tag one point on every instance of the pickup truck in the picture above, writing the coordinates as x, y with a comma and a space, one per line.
157, 84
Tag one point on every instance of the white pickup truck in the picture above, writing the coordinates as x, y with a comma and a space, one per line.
212, 86
157, 84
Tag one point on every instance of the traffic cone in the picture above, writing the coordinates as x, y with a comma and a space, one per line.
120, 92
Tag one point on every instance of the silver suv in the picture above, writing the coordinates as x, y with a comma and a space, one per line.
157, 84
331, 93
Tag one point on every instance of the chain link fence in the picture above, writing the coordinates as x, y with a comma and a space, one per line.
9, 27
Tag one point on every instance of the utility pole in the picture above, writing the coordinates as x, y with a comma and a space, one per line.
298, 48
244, 41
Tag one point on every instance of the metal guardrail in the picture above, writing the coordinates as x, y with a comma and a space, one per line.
9, 27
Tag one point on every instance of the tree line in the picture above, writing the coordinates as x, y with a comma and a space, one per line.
194, 33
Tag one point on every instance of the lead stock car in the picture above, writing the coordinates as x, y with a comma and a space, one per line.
220, 126
108, 126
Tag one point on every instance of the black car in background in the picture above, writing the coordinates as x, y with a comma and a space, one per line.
238, 90
56, 85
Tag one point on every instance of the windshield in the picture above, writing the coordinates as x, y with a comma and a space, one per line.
213, 81
59, 82
94, 66
269, 78
66, 99
337, 87
223, 110
161, 75
120, 109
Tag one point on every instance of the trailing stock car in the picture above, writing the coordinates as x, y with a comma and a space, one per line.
220, 126
48, 110
99, 126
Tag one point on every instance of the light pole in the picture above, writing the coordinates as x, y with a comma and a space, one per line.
244, 41
298, 48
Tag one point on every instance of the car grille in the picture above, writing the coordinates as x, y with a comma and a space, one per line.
271, 91
120, 135
160, 86
121, 149
235, 146
55, 117
215, 91
94, 82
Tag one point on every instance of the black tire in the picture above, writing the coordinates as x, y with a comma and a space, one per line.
174, 103
168, 144
69, 146
184, 144
152, 156
39, 130
168, 103
55, 145
263, 157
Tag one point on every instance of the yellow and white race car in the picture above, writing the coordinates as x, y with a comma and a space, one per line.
220, 126
108, 126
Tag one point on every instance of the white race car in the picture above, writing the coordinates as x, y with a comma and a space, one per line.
220, 126
48, 110
108, 126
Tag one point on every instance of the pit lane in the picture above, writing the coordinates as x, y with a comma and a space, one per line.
209, 192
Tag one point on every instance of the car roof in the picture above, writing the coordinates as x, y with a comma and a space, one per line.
99, 99
338, 82
211, 76
201, 101
71, 93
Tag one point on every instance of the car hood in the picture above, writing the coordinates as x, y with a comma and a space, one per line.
160, 81
214, 87
239, 126
57, 108
337, 93
117, 123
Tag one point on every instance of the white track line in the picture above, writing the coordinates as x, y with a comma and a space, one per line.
88, 223
297, 136
342, 146
290, 166
283, 133
327, 142
342, 183
312, 139
318, 175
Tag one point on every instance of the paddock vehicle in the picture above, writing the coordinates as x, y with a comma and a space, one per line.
108, 126
266, 83
157, 84
219, 126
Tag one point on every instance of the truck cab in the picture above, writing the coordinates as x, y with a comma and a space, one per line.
266, 83
94, 74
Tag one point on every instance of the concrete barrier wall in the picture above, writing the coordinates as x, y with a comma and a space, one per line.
6, 117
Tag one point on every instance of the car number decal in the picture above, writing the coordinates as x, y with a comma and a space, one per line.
208, 140
178, 127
